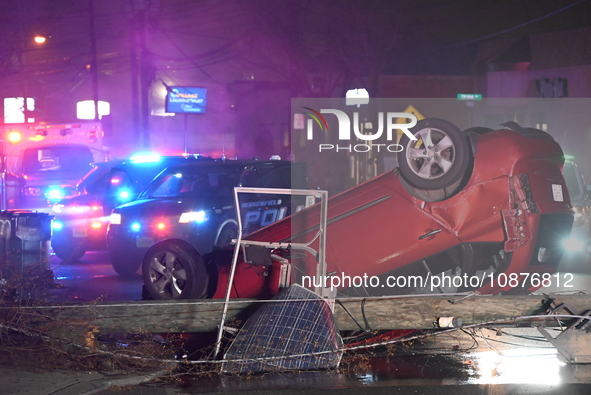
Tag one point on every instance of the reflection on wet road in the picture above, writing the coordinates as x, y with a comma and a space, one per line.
93, 279
512, 360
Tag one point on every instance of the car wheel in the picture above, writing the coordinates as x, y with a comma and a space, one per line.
172, 270
125, 265
438, 159
69, 251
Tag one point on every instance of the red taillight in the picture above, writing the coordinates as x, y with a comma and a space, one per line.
92, 136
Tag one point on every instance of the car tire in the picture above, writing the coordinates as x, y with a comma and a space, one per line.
70, 251
124, 264
174, 269
443, 164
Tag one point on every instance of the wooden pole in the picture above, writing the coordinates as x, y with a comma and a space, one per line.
350, 313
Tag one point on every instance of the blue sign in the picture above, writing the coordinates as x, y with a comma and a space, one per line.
186, 100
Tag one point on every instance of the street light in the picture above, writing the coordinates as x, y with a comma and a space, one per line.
40, 39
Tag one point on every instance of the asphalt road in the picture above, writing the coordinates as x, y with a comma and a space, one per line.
93, 279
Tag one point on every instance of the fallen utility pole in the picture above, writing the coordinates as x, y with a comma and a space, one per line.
409, 312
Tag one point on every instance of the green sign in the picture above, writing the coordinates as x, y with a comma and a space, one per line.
469, 96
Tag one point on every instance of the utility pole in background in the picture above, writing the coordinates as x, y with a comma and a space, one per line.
146, 79
140, 75
93, 62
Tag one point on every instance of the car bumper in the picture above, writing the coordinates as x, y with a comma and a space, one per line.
534, 261
121, 242
122, 238
90, 231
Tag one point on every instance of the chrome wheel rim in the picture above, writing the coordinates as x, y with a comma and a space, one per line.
432, 155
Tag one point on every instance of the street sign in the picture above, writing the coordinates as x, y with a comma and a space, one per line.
469, 96
411, 110
186, 100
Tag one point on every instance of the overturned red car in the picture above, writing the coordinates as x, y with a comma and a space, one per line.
477, 209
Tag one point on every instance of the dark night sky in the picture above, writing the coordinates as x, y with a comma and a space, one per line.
391, 36
424, 36
442, 37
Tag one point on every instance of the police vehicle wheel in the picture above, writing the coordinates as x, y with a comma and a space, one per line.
69, 251
174, 270
124, 264
438, 159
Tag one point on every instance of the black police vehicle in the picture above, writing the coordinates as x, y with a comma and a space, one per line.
194, 204
81, 221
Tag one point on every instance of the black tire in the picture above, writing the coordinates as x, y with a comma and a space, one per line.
125, 265
438, 159
174, 270
69, 250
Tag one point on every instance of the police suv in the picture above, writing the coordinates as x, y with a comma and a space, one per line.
81, 221
194, 204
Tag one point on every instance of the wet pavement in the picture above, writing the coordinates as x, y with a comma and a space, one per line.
92, 279
505, 361
485, 361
